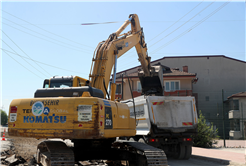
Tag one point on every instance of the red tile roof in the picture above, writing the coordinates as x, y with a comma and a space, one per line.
240, 94
174, 72
167, 73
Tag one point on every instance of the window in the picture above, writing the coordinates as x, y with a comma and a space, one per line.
118, 88
63, 84
139, 87
235, 124
172, 85
235, 105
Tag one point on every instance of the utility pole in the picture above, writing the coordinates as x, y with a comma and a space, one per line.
122, 81
223, 116
242, 120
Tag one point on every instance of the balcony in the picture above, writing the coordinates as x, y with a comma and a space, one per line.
234, 114
137, 93
178, 93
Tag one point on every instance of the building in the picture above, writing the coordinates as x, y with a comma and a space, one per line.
176, 83
219, 77
237, 115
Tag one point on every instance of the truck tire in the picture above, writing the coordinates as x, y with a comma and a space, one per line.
142, 140
188, 150
180, 152
38, 156
134, 139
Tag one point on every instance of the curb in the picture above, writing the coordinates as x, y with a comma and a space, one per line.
220, 161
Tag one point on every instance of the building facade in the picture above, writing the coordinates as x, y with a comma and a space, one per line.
219, 77
237, 115
176, 83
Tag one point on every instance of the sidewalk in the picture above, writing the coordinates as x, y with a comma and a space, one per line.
221, 155
231, 143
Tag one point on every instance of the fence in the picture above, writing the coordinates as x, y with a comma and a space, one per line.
225, 111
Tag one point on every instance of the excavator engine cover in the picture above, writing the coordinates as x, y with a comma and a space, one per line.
152, 84
68, 92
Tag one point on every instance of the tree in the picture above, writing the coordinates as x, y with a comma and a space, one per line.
206, 135
4, 118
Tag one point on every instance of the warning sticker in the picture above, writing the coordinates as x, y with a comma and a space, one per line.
12, 117
84, 113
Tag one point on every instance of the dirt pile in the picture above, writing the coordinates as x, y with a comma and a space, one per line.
22, 152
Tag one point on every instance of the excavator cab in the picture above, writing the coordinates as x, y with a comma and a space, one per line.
46, 83
64, 81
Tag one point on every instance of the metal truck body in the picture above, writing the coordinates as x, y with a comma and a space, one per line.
166, 122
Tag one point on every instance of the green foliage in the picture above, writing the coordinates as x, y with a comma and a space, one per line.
4, 118
206, 135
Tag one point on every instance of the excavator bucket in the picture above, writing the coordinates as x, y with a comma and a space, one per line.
153, 84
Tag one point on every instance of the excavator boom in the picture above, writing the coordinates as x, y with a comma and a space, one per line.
107, 53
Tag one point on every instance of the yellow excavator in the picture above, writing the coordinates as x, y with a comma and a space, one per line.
77, 109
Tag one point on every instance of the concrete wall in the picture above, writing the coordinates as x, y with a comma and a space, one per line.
214, 74
242, 112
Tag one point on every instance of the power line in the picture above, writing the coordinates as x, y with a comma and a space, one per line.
45, 35
24, 59
183, 23
46, 30
24, 53
198, 53
40, 62
43, 38
22, 65
176, 22
191, 28
188, 30
141, 21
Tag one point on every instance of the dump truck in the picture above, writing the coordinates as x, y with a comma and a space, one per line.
165, 122
87, 114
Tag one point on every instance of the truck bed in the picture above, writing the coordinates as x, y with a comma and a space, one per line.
165, 113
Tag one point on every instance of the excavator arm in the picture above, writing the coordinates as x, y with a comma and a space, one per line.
107, 53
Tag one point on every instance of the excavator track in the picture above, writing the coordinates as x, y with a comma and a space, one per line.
54, 153
153, 156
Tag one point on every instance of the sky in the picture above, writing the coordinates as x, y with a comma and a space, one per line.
40, 40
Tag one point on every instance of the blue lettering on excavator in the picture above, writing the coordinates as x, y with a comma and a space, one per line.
56, 119
45, 119
38, 119
26, 119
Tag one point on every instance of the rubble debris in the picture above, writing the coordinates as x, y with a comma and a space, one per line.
3, 157
12, 160
84, 162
